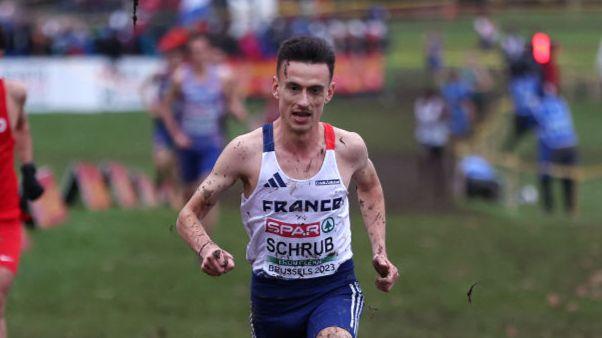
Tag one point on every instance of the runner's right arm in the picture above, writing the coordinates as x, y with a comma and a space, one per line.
167, 114
32, 189
227, 170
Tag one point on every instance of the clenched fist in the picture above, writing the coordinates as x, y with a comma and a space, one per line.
215, 261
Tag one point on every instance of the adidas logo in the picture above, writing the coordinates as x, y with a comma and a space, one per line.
275, 182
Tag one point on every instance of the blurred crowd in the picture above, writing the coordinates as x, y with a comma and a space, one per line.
447, 113
76, 30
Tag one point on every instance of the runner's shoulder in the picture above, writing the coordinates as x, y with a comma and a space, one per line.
246, 147
350, 145
15, 90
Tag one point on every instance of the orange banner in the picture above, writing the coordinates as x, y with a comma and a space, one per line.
354, 74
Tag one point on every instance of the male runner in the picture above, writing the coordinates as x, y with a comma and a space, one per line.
171, 46
295, 174
207, 95
14, 137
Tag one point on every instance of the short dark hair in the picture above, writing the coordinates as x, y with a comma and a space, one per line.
306, 49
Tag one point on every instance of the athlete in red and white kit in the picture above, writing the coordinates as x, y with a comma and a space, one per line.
15, 138
295, 173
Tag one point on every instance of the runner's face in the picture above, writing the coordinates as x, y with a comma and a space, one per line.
200, 51
302, 89
174, 59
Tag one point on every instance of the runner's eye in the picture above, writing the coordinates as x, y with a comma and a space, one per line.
315, 90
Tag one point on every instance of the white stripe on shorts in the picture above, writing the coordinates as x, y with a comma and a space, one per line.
360, 306
352, 311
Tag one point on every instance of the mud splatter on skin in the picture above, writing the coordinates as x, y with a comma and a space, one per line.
308, 168
207, 193
378, 217
285, 69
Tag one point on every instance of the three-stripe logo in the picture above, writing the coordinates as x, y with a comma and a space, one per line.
275, 182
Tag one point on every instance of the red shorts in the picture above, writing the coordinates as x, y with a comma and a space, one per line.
11, 236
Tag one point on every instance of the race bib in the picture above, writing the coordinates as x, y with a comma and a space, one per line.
300, 250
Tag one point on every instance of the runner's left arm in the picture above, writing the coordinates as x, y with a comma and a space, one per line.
235, 98
372, 206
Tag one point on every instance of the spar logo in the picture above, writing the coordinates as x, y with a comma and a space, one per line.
289, 230
3, 125
328, 225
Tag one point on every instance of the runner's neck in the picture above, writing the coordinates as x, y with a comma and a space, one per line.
306, 143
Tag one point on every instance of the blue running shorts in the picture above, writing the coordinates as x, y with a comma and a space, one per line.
302, 308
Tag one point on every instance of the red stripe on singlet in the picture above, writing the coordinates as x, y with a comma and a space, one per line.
329, 138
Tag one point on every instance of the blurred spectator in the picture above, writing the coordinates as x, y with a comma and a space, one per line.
524, 94
486, 30
476, 177
338, 31
432, 127
376, 35
457, 94
479, 79
356, 36
513, 45
433, 52
249, 46
542, 45
557, 146
432, 133
518, 55
193, 11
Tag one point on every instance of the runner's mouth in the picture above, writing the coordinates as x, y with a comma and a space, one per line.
301, 113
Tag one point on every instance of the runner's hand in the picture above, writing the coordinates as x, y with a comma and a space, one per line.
387, 273
215, 261
182, 141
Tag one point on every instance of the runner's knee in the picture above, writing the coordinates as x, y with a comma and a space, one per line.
334, 332
163, 158
5, 283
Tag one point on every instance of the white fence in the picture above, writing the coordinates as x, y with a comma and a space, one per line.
80, 84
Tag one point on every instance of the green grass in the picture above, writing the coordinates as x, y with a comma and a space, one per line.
127, 274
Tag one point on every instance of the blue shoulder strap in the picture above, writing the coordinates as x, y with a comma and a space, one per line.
268, 137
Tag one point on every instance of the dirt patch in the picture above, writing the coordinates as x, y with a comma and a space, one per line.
412, 182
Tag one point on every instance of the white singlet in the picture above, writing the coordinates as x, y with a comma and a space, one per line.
298, 229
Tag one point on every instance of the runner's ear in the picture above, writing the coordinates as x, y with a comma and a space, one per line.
330, 91
275, 87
